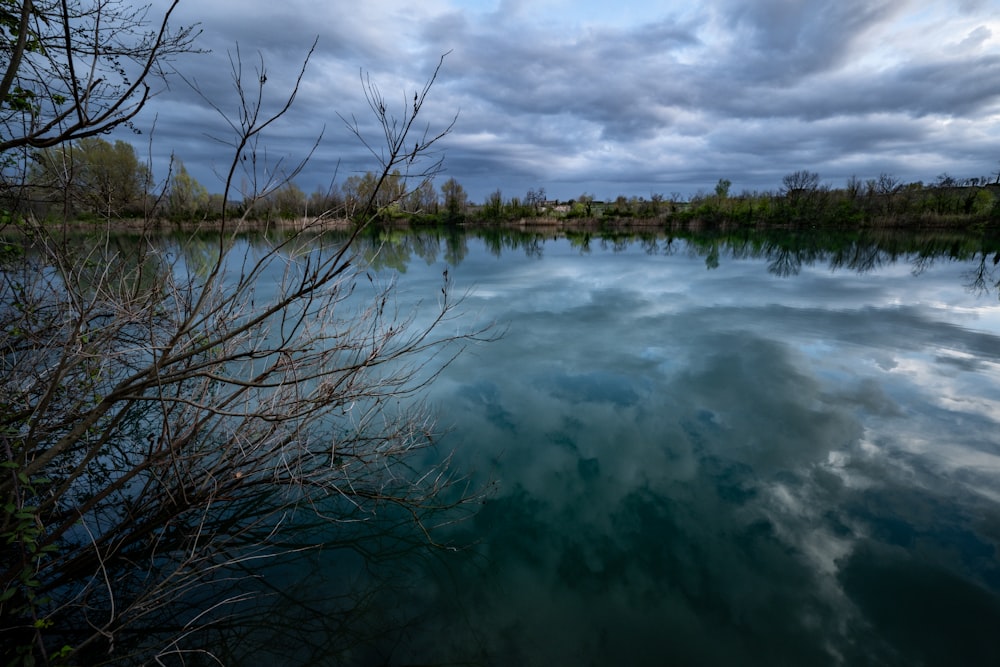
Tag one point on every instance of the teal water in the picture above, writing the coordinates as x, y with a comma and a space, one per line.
704, 453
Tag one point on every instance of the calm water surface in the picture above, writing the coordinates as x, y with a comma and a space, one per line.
710, 458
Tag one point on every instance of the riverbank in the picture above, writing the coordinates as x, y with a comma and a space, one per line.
667, 222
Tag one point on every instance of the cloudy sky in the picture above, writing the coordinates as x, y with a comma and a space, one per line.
631, 97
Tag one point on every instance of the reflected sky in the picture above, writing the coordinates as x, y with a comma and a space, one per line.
717, 466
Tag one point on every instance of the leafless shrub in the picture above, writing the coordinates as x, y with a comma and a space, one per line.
173, 413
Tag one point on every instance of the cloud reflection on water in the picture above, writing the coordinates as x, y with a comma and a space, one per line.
725, 467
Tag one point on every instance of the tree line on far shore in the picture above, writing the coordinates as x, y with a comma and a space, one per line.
98, 180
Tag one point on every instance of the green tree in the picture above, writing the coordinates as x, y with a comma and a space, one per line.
722, 188
91, 176
456, 201
217, 206
383, 192
359, 191
288, 202
983, 202
493, 206
423, 199
577, 209
392, 190
325, 202
186, 197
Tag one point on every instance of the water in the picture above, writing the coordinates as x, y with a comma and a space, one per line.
708, 452
720, 465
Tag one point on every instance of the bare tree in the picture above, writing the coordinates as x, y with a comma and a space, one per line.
887, 184
854, 188
397, 160
79, 68
169, 412
802, 181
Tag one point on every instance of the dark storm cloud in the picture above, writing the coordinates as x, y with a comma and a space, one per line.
581, 98
780, 42
943, 88
609, 81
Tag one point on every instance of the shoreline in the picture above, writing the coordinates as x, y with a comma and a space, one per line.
668, 223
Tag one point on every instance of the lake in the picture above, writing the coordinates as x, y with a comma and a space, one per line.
703, 451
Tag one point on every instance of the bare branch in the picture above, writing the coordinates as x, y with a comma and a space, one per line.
175, 410
44, 100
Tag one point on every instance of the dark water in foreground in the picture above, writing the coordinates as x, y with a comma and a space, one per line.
708, 459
